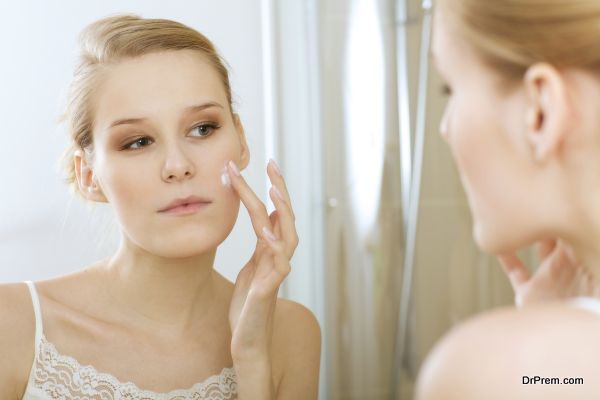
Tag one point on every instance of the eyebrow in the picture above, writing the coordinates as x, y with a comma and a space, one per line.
188, 110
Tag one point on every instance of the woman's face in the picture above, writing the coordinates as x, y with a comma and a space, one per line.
163, 130
484, 125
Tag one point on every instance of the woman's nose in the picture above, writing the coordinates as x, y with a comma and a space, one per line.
178, 165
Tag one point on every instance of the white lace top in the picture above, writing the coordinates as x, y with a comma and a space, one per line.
55, 376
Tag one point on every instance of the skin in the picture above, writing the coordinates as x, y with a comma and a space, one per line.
528, 152
560, 275
157, 312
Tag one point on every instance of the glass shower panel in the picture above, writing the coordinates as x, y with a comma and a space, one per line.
364, 105
364, 218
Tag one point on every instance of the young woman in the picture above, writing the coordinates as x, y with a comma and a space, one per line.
523, 125
154, 135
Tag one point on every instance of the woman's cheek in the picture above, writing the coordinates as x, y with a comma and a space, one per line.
126, 189
230, 197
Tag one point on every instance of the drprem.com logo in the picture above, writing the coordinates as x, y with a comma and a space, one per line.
538, 380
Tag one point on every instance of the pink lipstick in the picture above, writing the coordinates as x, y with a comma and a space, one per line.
185, 206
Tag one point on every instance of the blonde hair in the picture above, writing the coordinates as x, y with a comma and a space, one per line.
110, 40
511, 35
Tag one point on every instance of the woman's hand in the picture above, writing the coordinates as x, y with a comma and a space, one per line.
559, 276
255, 294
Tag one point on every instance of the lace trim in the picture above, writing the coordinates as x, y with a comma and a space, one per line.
62, 377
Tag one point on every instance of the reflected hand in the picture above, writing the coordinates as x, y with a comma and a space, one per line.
559, 276
254, 298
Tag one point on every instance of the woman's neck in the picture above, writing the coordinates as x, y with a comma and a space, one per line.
178, 294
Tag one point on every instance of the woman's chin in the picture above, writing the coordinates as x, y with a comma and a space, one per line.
182, 251
493, 241
481, 239
186, 246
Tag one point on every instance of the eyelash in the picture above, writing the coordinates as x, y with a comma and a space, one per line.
211, 126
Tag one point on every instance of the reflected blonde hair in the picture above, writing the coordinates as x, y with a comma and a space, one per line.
511, 35
108, 41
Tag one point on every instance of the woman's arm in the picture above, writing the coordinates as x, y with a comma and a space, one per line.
255, 379
498, 355
17, 337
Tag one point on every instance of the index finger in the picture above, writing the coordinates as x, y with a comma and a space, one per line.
514, 268
256, 208
545, 247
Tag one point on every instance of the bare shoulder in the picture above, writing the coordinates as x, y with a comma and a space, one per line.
296, 330
17, 333
297, 350
296, 319
543, 352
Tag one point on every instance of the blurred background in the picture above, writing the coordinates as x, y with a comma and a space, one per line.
341, 93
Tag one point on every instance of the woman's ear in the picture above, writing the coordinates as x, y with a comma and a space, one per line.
87, 180
244, 151
548, 112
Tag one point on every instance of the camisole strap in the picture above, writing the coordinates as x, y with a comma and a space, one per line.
38, 314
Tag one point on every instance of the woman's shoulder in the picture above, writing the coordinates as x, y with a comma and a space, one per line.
296, 347
547, 351
17, 318
17, 338
296, 323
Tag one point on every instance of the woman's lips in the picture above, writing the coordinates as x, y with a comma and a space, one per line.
186, 209
186, 205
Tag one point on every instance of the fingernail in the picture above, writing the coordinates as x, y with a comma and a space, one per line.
234, 168
225, 180
277, 192
269, 234
275, 166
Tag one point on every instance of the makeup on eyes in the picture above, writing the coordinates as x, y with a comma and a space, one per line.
213, 126
127, 133
205, 130
198, 122
128, 144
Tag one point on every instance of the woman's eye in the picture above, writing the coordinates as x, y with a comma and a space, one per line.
137, 144
206, 129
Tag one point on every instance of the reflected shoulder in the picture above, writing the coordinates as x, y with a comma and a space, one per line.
499, 354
